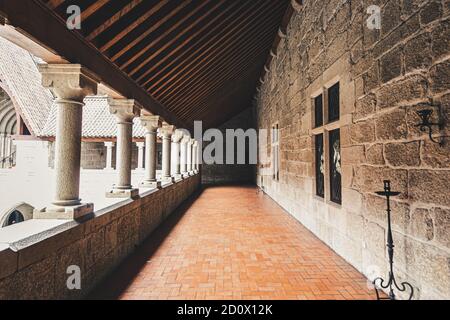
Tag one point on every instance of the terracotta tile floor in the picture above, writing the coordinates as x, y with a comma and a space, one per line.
233, 243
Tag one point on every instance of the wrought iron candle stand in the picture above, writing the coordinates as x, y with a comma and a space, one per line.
392, 282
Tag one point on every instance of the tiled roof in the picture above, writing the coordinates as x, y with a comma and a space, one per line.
98, 122
21, 77
18, 70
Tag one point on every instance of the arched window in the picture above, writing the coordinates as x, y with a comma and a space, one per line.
15, 217
19, 213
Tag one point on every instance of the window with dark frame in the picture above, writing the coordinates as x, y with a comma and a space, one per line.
333, 103
327, 138
276, 152
335, 166
320, 166
318, 111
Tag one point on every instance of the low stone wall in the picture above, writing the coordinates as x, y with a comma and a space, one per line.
36, 267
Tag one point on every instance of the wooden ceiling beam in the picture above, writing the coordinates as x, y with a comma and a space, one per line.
154, 27
183, 44
74, 48
54, 3
207, 49
218, 87
190, 53
93, 8
234, 52
134, 25
108, 23
230, 77
205, 62
238, 68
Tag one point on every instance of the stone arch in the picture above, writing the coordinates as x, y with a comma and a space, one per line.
8, 119
18, 213
8, 128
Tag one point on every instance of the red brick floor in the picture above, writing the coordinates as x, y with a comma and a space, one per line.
234, 243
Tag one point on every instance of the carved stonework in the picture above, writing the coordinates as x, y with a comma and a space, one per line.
167, 130
151, 123
69, 81
177, 136
124, 109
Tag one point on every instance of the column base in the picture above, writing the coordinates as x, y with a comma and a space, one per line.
178, 177
151, 184
64, 213
122, 193
167, 180
185, 175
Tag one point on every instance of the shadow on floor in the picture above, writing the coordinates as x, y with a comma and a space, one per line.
124, 274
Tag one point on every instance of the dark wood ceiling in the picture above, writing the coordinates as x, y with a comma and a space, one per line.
200, 59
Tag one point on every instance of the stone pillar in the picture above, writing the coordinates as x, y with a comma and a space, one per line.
109, 155
140, 146
176, 143
166, 132
183, 155
125, 111
189, 157
151, 125
70, 84
195, 157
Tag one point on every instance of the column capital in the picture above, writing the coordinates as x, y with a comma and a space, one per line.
177, 136
186, 139
167, 130
69, 81
124, 109
109, 144
140, 144
151, 123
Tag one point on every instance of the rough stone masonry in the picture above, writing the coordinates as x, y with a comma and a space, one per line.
385, 76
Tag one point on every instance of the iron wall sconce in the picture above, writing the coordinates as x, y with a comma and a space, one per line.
426, 124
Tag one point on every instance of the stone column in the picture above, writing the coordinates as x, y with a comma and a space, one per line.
166, 132
151, 125
70, 84
183, 155
195, 157
109, 155
125, 111
176, 142
140, 146
189, 157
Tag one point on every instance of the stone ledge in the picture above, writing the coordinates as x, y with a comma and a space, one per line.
123, 193
97, 243
68, 213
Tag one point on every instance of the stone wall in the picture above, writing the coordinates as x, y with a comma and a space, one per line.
385, 77
36, 267
235, 173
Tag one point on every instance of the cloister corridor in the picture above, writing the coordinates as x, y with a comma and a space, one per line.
233, 242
